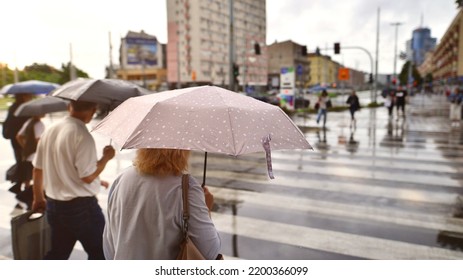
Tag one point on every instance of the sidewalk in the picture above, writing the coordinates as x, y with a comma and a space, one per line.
426, 125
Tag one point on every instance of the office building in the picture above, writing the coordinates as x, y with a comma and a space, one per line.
420, 44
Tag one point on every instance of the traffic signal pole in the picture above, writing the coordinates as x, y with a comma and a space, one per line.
373, 94
231, 50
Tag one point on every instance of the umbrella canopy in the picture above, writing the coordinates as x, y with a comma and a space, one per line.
207, 118
110, 92
41, 106
31, 86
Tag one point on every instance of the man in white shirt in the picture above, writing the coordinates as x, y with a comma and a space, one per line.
66, 182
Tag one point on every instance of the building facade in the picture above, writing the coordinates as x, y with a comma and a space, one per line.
142, 60
198, 49
448, 56
287, 54
323, 70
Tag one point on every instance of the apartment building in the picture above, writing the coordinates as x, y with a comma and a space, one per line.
198, 49
448, 56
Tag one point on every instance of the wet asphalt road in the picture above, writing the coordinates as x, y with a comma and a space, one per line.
387, 188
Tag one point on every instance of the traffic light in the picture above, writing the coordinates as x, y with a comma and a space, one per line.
236, 70
337, 48
317, 51
257, 48
370, 79
304, 51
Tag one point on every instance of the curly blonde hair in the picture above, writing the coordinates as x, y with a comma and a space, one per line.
162, 162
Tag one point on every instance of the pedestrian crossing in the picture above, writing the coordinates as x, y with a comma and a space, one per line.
389, 198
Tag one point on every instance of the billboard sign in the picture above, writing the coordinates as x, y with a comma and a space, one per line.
287, 86
142, 49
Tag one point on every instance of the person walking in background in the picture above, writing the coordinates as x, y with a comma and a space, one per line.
354, 106
28, 137
389, 101
455, 98
400, 100
145, 217
11, 127
66, 182
324, 103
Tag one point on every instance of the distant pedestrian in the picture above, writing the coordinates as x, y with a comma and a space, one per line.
389, 102
354, 106
66, 182
401, 100
324, 103
455, 98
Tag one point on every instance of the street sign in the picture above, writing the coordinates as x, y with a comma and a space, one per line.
299, 70
343, 74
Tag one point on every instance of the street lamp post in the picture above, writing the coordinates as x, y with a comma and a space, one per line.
396, 24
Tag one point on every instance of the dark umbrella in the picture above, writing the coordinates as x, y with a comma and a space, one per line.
41, 106
105, 92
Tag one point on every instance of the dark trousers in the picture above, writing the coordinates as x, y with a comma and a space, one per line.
80, 219
390, 108
17, 150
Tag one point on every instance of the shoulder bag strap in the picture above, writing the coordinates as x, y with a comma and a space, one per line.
186, 211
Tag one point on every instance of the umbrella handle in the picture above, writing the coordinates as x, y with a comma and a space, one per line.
204, 171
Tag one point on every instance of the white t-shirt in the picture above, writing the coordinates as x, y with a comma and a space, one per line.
39, 128
66, 153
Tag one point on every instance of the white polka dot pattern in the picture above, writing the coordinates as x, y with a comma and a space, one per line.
206, 118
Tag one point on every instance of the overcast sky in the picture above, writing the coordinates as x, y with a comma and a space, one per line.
42, 30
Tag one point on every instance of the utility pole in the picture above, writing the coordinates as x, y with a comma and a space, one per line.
111, 67
375, 82
72, 70
178, 63
231, 49
396, 24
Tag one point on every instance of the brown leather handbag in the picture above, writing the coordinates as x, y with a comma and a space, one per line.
188, 250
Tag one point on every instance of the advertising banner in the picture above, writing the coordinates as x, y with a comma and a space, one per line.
287, 86
142, 49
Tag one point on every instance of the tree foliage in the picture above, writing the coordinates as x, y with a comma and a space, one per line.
403, 76
41, 72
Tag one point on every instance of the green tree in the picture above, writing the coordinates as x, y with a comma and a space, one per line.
66, 73
41, 72
403, 76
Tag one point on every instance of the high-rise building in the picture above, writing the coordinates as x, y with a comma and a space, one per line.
198, 49
420, 44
